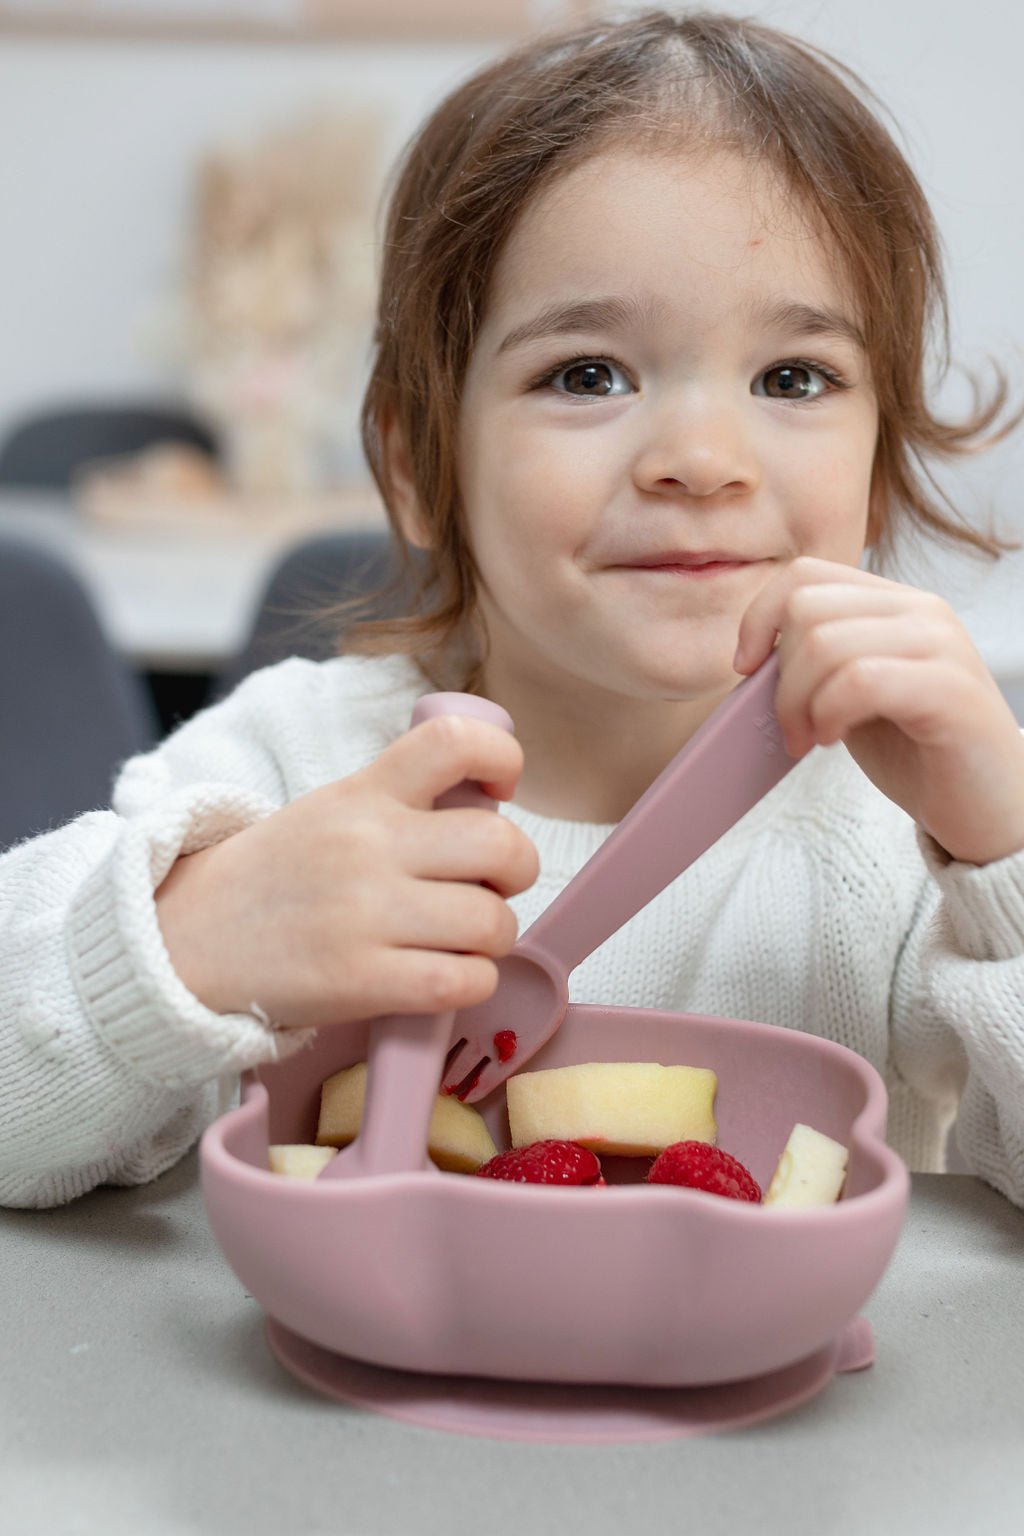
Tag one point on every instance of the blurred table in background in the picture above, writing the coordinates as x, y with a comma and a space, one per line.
178, 594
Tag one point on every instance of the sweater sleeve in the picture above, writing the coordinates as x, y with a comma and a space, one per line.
958, 1009
109, 1067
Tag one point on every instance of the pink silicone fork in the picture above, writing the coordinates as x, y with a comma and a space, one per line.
407, 1051
734, 759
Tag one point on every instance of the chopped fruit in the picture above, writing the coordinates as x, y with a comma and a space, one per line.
626, 1109
811, 1170
697, 1166
459, 1140
300, 1160
545, 1162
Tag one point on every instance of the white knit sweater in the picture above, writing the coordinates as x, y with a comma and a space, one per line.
821, 910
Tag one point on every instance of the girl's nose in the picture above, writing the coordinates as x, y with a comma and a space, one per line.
697, 448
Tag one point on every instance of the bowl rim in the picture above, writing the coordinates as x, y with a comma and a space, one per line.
218, 1162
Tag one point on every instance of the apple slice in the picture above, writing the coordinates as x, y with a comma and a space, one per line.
459, 1141
811, 1170
618, 1108
299, 1160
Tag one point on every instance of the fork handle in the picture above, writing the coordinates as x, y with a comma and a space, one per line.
407, 1051
731, 762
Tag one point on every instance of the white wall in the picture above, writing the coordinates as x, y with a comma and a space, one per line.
98, 142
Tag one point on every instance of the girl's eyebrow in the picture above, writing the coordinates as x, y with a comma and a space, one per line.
602, 314
807, 320
615, 313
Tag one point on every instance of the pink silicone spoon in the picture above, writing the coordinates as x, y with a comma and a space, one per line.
407, 1051
731, 762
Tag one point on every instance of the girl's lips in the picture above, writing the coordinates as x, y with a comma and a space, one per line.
693, 566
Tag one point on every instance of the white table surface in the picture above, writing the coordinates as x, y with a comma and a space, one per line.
172, 599
140, 1398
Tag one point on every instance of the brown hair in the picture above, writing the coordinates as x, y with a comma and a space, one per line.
508, 131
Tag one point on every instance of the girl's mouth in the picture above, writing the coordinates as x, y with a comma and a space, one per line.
695, 566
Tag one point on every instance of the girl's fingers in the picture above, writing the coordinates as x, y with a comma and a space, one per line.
422, 981
839, 645
375, 839
801, 594
442, 752
846, 639
923, 698
474, 846
466, 919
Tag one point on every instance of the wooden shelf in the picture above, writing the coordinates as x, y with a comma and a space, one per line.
288, 21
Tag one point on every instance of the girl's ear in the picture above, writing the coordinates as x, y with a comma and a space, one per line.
398, 470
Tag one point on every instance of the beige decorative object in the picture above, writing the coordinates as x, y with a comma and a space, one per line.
280, 302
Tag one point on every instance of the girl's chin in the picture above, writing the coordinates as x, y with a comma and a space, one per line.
672, 668
681, 686
688, 675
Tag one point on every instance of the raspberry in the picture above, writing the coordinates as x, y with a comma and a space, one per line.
545, 1162
697, 1165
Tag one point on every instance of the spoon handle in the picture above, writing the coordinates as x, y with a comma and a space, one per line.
731, 762
407, 1051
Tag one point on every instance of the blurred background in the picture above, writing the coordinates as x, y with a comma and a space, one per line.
190, 189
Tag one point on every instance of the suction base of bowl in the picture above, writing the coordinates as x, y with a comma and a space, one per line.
580, 1415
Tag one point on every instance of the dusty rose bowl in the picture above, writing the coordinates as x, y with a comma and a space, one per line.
635, 1284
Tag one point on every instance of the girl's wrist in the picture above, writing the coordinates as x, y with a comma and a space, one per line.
984, 903
183, 909
980, 852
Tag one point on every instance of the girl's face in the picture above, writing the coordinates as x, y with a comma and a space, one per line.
667, 403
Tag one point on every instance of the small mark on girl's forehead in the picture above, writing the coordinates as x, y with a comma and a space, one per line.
757, 240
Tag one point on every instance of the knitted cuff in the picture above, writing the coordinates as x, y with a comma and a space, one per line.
130, 991
985, 903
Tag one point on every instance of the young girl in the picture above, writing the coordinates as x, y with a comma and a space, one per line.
649, 379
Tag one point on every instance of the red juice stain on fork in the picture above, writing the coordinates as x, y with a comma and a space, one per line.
505, 1043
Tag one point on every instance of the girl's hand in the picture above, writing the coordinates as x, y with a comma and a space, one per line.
359, 899
891, 672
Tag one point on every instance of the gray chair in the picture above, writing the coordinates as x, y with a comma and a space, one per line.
293, 615
71, 708
43, 452
1013, 692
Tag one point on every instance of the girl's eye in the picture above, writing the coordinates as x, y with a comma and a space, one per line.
590, 377
795, 381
